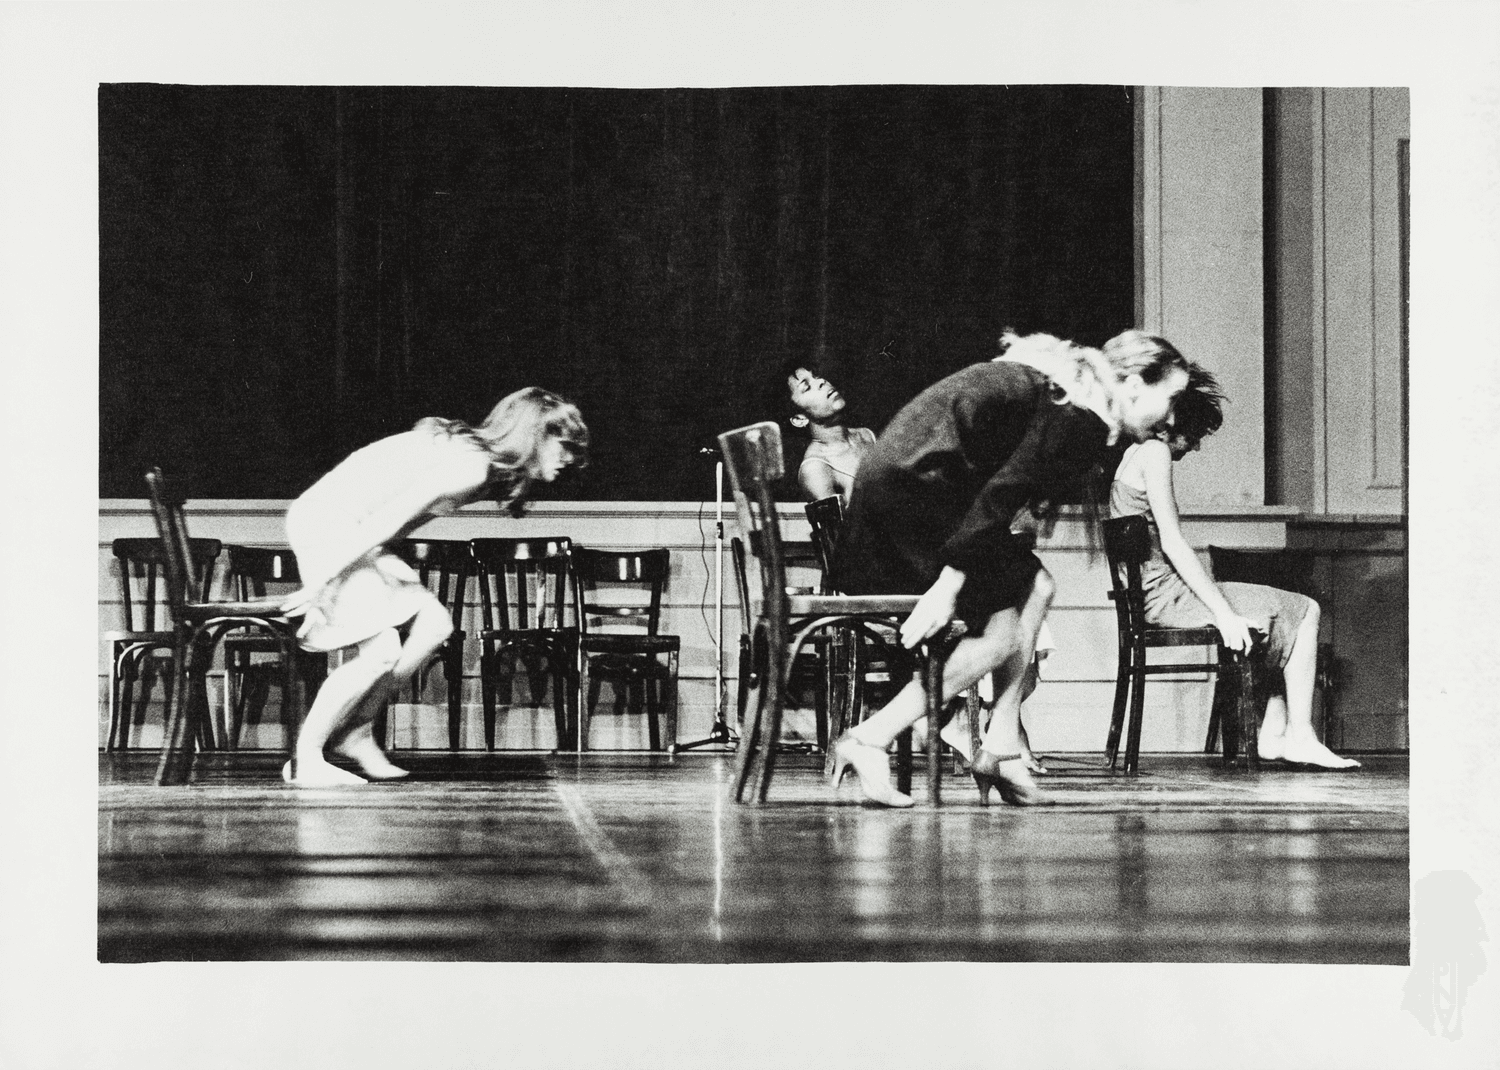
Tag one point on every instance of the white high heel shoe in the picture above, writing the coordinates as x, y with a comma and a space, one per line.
873, 769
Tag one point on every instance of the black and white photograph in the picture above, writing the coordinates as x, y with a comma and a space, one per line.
613, 548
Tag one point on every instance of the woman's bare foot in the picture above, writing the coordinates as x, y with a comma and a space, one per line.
1308, 751
1033, 763
318, 773
360, 748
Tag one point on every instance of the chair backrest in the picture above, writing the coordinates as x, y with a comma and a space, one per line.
184, 584
141, 562
754, 459
826, 516
536, 576
250, 568
443, 566
1127, 545
605, 576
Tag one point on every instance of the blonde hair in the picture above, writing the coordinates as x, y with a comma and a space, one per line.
1078, 371
513, 434
1073, 369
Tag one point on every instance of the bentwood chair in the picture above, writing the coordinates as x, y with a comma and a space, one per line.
850, 664
811, 672
783, 622
143, 647
197, 626
258, 574
623, 589
528, 595
1289, 570
443, 566
1127, 544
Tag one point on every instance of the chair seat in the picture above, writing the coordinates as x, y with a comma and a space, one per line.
139, 638
838, 605
269, 608
631, 644
527, 635
1182, 636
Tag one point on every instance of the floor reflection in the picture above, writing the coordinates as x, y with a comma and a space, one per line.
642, 858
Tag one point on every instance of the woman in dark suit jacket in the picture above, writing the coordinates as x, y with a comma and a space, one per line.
932, 510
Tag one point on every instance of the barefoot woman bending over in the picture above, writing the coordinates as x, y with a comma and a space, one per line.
1180, 594
356, 593
931, 515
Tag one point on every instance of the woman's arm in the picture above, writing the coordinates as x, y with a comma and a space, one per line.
817, 479
1155, 461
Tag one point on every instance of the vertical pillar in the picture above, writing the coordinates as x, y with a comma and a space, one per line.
1200, 279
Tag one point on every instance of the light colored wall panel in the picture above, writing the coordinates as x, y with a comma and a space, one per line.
1360, 352
1202, 283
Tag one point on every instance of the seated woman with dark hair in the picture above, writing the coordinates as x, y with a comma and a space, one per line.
833, 456
1180, 594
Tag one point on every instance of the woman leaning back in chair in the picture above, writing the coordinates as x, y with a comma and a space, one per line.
1180, 594
932, 511
835, 449
355, 592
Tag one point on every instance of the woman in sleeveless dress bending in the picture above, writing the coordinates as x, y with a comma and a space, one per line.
1180, 594
357, 593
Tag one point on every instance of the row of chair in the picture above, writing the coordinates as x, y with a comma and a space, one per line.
524, 587
527, 588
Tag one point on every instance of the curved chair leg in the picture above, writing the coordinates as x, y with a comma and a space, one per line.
175, 764
1123, 674
1137, 708
753, 658
932, 687
453, 676
488, 670
670, 698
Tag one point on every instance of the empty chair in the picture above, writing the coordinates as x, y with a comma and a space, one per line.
1127, 544
783, 622
528, 603
259, 573
443, 566
197, 626
143, 647
623, 589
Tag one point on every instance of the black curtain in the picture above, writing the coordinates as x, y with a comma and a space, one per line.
289, 273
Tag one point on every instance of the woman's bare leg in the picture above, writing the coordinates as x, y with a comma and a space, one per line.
1296, 741
428, 630
970, 659
1015, 677
341, 697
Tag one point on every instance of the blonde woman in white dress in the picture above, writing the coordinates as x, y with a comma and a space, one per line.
357, 593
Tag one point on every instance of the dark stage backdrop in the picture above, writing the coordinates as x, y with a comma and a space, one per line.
288, 273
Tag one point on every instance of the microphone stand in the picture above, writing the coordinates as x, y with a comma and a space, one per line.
720, 733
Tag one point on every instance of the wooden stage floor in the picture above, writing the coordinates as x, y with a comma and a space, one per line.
633, 857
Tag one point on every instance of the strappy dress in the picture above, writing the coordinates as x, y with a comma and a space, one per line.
1171, 603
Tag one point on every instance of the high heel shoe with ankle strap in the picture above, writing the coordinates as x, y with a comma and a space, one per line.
871, 766
987, 775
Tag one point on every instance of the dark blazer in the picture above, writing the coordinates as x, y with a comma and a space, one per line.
949, 474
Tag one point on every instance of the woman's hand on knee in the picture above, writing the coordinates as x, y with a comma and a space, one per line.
1235, 631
